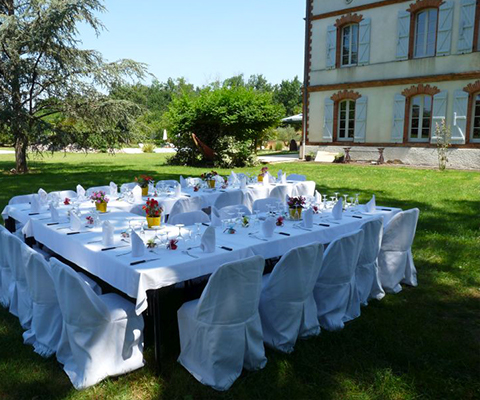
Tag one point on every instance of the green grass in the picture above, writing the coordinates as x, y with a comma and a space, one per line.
423, 343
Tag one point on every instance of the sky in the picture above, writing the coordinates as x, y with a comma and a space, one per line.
204, 40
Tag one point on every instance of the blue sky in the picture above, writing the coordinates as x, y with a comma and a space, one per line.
204, 40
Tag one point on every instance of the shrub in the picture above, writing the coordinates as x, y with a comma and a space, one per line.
148, 147
279, 146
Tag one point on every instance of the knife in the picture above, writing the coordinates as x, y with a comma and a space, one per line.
113, 247
323, 224
205, 224
283, 233
226, 248
356, 216
34, 214
144, 261
386, 209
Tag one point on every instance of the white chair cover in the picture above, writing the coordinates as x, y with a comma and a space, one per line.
296, 177
5, 271
101, 335
221, 332
280, 192
225, 212
71, 194
18, 254
230, 198
186, 205
366, 274
128, 186
92, 189
395, 261
24, 198
287, 305
261, 205
167, 182
189, 218
335, 291
304, 189
46, 327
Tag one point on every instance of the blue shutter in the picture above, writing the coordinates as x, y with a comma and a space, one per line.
398, 118
459, 120
328, 121
439, 112
403, 35
331, 46
444, 33
467, 21
364, 41
360, 119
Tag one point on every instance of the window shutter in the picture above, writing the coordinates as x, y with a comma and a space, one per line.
439, 112
364, 41
328, 121
403, 35
467, 20
360, 119
398, 118
460, 107
444, 33
331, 46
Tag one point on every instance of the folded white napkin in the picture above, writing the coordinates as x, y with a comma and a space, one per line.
80, 191
279, 175
207, 243
138, 247
183, 182
151, 188
75, 223
268, 227
113, 189
27, 229
35, 203
233, 178
243, 182
284, 179
337, 211
107, 233
215, 217
307, 216
54, 213
318, 197
371, 206
137, 194
266, 179
43, 196
178, 191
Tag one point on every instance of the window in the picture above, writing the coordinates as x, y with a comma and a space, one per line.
346, 120
425, 33
476, 119
349, 45
420, 118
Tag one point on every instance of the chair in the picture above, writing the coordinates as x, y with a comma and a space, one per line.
92, 189
71, 194
101, 335
229, 198
287, 305
221, 332
261, 205
186, 205
22, 199
395, 260
167, 182
304, 189
189, 218
46, 326
335, 291
366, 273
296, 177
226, 212
281, 192
18, 254
5, 271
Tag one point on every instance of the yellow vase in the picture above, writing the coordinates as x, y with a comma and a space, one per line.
295, 213
211, 183
260, 178
101, 207
145, 191
153, 221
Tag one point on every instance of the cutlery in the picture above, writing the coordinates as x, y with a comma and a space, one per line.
193, 247
43, 219
65, 227
356, 216
334, 222
123, 254
188, 254
257, 237
283, 233
302, 227
34, 214
386, 209
205, 224
144, 261
94, 241
113, 247
226, 248
323, 224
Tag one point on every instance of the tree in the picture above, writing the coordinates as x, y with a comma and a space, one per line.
43, 72
289, 93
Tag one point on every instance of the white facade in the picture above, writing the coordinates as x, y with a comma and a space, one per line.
385, 68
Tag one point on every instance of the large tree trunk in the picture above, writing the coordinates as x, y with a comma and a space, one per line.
21, 145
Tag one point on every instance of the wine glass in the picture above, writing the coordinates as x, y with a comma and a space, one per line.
336, 196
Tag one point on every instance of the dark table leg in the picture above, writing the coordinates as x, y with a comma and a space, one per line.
10, 224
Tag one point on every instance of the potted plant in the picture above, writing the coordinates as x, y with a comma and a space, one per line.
153, 211
262, 174
209, 177
310, 156
143, 181
295, 205
100, 199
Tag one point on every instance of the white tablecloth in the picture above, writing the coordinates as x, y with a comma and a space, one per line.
173, 265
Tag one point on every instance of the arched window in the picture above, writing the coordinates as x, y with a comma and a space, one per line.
349, 54
420, 118
475, 135
425, 41
346, 120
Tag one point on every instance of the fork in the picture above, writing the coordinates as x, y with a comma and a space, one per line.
188, 254
257, 237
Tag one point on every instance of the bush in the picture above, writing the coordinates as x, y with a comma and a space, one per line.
279, 146
148, 147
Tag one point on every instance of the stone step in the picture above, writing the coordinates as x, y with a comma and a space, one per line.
325, 156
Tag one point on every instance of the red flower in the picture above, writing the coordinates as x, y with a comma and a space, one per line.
280, 221
66, 201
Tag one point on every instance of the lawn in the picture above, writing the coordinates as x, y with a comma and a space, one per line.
423, 343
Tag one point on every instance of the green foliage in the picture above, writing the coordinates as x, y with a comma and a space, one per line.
287, 134
444, 136
229, 120
289, 94
279, 146
148, 147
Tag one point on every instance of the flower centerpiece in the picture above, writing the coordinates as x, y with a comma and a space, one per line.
280, 221
262, 174
196, 188
67, 201
143, 181
172, 244
100, 199
209, 177
153, 211
296, 204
